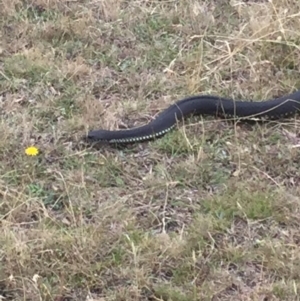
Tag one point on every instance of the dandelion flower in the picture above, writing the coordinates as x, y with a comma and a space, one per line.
31, 151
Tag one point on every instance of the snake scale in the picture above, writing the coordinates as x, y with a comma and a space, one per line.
282, 107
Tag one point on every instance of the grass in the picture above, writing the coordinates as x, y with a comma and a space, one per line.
208, 212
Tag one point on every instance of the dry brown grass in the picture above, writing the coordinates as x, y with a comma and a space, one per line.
208, 212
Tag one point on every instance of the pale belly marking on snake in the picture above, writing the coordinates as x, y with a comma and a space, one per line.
282, 107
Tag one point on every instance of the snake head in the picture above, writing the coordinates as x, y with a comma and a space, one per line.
98, 136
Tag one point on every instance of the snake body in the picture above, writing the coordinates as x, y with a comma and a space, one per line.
282, 107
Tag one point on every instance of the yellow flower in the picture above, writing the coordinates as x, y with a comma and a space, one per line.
31, 151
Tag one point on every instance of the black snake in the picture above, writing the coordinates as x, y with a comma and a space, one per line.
277, 108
